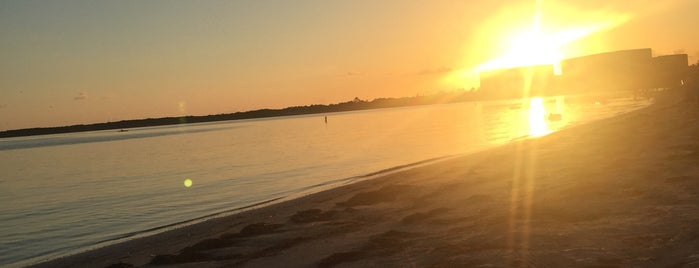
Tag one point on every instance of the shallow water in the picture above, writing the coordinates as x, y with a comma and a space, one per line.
60, 194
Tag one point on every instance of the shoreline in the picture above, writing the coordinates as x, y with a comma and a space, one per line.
338, 211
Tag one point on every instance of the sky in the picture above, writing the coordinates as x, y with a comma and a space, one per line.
78, 62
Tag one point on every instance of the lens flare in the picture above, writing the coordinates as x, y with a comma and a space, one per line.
187, 183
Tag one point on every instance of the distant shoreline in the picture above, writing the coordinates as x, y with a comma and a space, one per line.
353, 105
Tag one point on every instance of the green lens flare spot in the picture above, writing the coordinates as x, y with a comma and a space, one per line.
187, 183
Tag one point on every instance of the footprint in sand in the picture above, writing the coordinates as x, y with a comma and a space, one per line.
197, 253
386, 194
312, 215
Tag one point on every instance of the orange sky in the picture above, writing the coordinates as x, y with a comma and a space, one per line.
75, 62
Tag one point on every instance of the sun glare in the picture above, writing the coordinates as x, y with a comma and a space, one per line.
521, 36
542, 44
536, 47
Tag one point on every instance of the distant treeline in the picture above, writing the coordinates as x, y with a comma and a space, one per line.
353, 105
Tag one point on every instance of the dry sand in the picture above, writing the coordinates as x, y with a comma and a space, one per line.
621, 192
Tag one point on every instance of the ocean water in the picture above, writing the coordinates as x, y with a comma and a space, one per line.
66, 193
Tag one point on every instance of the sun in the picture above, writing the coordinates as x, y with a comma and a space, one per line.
541, 44
527, 49
536, 47
520, 36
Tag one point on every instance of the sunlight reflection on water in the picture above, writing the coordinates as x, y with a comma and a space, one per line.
537, 118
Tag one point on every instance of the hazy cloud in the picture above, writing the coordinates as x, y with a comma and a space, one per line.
351, 74
440, 70
80, 96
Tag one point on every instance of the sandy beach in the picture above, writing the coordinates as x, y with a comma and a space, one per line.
620, 192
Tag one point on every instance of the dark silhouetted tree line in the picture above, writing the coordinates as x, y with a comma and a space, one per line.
353, 105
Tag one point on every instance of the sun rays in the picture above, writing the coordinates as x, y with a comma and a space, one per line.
543, 43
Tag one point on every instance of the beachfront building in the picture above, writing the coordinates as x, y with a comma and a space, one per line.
669, 71
611, 71
628, 70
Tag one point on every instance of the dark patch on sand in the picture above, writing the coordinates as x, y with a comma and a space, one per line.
421, 217
445, 190
259, 229
341, 257
120, 265
339, 227
386, 194
170, 259
383, 244
274, 249
390, 241
312, 215
569, 212
197, 252
207, 244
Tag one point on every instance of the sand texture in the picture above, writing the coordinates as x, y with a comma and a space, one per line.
621, 192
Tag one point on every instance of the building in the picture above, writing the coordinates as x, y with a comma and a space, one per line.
669, 71
625, 70
611, 71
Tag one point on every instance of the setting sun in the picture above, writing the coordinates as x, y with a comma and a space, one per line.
533, 47
544, 42
527, 35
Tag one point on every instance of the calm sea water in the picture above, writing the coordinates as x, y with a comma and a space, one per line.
61, 194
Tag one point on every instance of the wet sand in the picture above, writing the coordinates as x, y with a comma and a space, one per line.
621, 192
